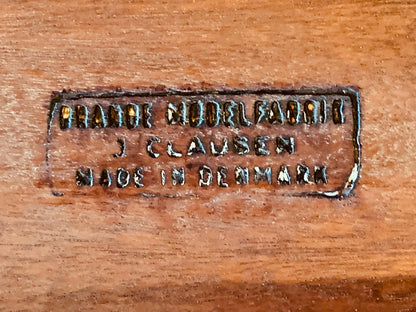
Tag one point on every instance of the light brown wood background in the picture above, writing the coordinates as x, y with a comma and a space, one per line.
100, 253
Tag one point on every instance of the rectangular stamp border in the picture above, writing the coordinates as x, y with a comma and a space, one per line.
338, 193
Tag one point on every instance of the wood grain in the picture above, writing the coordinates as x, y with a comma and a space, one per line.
104, 253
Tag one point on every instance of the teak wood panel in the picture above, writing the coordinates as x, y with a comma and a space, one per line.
243, 254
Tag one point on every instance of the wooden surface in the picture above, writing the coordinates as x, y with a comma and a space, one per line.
116, 253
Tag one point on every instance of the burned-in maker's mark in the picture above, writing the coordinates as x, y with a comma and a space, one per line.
234, 138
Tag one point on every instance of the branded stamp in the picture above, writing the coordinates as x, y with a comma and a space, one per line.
173, 143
